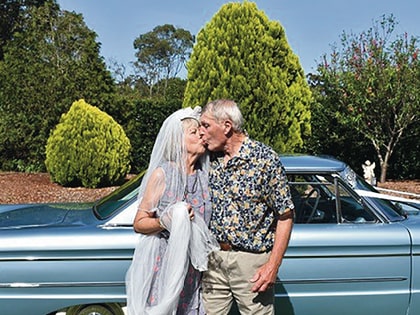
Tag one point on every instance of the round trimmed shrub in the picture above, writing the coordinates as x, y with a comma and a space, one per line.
87, 148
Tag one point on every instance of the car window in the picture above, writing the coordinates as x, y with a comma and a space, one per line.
110, 204
324, 199
407, 208
388, 209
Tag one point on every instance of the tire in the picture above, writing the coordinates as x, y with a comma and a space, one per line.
96, 309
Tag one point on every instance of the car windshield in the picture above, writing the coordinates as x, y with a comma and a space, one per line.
109, 205
389, 209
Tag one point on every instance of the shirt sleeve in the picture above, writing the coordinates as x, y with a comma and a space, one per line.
278, 192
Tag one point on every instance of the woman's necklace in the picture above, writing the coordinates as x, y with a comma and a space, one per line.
193, 187
196, 196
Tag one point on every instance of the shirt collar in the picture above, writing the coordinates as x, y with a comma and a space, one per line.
245, 149
244, 152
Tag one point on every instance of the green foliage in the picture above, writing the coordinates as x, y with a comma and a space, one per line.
87, 148
51, 62
142, 116
242, 55
330, 137
11, 12
171, 89
143, 126
161, 54
405, 163
371, 86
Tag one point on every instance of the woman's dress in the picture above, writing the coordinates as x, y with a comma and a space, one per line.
161, 260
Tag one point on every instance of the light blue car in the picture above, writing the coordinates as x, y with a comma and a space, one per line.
350, 253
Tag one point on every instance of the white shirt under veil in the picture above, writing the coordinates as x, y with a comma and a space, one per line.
188, 240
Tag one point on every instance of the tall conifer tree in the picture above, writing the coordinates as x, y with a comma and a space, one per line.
242, 55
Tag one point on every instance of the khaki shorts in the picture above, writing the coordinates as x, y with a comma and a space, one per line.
227, 279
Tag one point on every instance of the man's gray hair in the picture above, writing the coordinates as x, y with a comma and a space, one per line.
224, 109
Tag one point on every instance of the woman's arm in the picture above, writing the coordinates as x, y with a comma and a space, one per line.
146, 221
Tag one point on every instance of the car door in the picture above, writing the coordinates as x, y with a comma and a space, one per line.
342, 257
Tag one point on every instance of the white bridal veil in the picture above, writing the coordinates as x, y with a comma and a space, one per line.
188, 241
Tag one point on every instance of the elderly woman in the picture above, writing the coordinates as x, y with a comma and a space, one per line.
172, 219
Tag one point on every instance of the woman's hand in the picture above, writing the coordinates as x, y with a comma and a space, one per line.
165, 219
190, 212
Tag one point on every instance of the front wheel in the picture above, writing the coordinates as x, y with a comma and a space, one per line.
96, 309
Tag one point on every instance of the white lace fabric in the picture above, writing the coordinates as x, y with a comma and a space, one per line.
188, 241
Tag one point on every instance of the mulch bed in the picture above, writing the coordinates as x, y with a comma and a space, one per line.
38, 188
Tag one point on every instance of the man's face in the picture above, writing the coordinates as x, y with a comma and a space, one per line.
212, 132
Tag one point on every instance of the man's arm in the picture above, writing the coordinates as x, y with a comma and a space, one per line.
266, 275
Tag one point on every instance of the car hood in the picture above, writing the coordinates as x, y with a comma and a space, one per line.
41, 215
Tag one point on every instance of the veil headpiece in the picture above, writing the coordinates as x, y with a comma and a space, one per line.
170, 148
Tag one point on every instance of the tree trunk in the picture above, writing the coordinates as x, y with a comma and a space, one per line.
384, 168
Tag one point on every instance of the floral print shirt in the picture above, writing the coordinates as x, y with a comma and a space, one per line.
248, 194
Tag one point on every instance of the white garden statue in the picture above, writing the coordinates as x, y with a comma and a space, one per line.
368, 172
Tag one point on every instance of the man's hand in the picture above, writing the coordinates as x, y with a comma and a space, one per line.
264, 278
266, 275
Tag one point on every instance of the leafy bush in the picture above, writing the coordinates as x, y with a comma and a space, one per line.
143, 127
87, 148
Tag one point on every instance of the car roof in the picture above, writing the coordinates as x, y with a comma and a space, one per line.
294, 163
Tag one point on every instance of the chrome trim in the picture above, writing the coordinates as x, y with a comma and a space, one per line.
65, 258
130, 257
20, 285
120, 283
343, 280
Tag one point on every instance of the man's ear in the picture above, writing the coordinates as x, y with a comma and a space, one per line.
227, 127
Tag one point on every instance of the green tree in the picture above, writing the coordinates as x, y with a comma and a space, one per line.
161, 54
11, 12
87, 148
242, 55
371, 85
405, 162
329, 136
51, 62
142, 127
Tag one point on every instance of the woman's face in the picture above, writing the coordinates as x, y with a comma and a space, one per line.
193, 139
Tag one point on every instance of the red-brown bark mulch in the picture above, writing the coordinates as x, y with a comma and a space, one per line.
38, 188
407, 186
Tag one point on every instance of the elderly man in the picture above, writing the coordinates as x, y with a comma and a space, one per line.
252, 214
